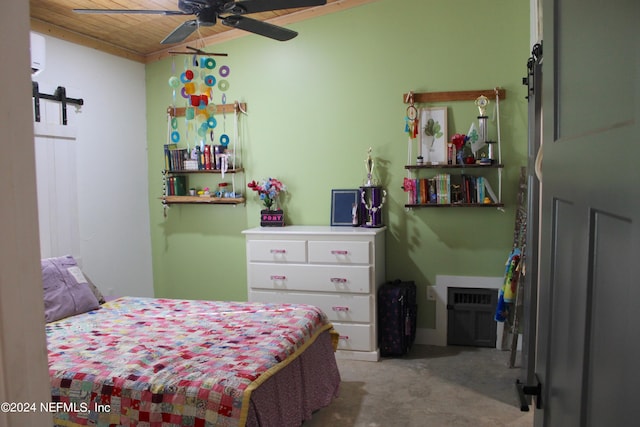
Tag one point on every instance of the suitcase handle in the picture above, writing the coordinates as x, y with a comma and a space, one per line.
340, 308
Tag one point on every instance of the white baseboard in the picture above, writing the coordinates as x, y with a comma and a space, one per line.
426, 336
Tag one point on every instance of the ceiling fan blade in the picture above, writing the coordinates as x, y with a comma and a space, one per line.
181, 32
259, 27
130, 11
256, 6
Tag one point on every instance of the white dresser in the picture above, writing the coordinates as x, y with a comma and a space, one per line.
337, 269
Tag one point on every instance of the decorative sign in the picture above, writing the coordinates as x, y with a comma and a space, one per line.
272, 218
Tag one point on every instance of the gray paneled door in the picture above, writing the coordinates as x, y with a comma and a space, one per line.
588, 358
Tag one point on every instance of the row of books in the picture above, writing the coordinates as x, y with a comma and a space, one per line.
206, 158
445, 188
176, 186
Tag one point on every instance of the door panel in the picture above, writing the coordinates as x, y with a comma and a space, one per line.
611, 248
589, 325
567, 314
593, 35
56, 179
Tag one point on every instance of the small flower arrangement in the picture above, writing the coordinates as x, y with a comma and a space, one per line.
459, 140
268, 190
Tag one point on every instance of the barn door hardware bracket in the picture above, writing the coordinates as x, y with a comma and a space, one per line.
60, 95
536, 57
529, 390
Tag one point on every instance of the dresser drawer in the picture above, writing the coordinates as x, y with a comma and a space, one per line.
355, 337
277, 250
321, 278
338, 307
337, 252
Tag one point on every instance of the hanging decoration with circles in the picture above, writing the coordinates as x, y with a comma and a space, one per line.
197, 137
199, 86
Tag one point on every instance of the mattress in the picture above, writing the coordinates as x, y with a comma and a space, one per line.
166, 362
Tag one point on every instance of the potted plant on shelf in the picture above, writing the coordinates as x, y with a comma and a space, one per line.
268, 190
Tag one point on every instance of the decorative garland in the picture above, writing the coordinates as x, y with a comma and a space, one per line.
370, 208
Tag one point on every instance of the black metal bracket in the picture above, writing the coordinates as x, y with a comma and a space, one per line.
536, 56
529, 390
60, 95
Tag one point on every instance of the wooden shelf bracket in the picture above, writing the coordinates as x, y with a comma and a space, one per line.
462, 95
220, 108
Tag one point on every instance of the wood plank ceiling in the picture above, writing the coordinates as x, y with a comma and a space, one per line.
137, 37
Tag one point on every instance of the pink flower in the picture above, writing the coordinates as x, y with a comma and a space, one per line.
268, 190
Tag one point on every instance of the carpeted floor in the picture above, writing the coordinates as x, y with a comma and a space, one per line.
432, 386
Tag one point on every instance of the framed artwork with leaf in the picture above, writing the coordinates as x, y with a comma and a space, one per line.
433, 135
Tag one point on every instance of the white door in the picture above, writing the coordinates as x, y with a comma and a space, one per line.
56, 178
589, 316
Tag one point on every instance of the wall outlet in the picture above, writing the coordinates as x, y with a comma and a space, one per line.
431, 293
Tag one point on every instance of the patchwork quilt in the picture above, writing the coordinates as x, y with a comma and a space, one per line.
165, 362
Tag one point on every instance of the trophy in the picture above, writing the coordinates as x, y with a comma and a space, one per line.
369, 166
482, 102
372, 197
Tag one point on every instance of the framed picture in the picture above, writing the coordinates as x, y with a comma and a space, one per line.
344, 205
433, 135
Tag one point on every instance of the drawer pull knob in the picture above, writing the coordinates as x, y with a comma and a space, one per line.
278, 277
344, 337
278, 251
338, 280
337, 252
340, 308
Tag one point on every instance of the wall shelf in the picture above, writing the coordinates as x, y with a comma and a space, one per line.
461, 95
188, 171
468, 181
169, 174
447, 166
202, 200
455, 205
220, 108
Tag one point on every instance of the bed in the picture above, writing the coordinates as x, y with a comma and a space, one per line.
170, 362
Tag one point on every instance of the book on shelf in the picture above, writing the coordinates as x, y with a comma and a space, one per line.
200, 157
176, 186
445, 189
167, 155
424, 191
443, 183
174, 157
207, 157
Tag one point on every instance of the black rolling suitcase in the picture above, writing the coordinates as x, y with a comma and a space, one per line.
397, 314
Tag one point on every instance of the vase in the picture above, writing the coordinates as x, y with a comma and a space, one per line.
428, 149
272, 218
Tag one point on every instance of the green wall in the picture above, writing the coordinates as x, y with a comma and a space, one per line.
317, 103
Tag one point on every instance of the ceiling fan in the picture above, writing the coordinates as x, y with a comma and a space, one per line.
230, 13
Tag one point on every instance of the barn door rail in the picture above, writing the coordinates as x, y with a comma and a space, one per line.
60, 95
